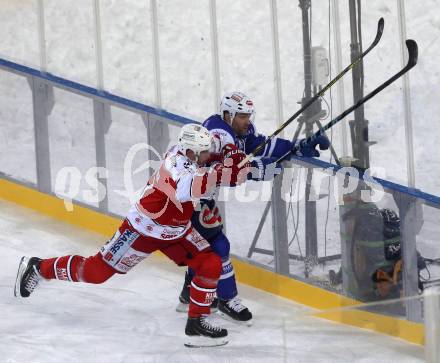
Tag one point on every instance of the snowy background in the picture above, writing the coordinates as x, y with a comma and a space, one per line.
246, 63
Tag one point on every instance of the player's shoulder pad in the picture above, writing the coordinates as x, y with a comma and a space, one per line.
221, 131
179, 165
216, 122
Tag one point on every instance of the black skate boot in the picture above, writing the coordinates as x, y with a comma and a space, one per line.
234, 310
183, 305
200, 332
28, 276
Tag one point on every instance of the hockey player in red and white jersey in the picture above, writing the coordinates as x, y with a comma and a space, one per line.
160, 220
234, 125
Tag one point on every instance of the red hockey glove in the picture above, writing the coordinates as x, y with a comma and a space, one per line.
232, 175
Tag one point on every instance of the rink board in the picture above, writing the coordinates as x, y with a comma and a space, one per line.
247, 273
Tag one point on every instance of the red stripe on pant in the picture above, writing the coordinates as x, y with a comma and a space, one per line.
77, 268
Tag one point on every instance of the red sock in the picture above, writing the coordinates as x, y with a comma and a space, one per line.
207, 267
201, 298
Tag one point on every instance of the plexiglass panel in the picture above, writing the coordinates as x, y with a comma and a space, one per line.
17, 142
19, 42
126, 152
70, 40
126, 26
72, 147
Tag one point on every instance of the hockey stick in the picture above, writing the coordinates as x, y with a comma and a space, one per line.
380, 26
412, 61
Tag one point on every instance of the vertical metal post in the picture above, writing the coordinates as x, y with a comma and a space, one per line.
359, 127
340, 84
305, 6
279, 228
102, 118
42, 37
276, 62
310, 205
215, 53
409, 221
98, 46
406, 97
101, 111
278, 205
41, 94
156, 53
216, 76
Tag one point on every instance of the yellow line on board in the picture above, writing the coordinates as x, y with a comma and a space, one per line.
249, 274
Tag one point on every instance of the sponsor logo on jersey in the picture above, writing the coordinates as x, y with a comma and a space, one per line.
249, 103
125, 238
181, 222
108, 256
226, 268
197, 240
62, 274
209, 297
131, 261
171, 232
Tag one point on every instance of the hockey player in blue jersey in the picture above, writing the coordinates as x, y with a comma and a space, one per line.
233, 127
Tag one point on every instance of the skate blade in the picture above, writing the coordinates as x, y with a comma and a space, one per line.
21, 269
182, 308
239, 322
198, 341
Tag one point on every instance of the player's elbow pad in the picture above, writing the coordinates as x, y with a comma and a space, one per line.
205, 180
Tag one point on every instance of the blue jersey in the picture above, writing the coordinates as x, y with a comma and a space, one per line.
223, 134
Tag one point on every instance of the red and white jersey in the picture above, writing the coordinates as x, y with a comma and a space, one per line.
168, 201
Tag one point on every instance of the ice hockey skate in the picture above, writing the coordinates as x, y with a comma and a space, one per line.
28, 276
201, 332
235, 311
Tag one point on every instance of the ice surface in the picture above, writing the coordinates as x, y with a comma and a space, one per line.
132, 319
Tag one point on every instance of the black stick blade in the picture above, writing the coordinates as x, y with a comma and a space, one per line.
413, 53
380, 27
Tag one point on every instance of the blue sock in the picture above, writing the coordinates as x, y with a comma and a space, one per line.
227, 287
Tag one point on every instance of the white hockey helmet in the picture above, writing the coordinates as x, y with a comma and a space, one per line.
236, 102
194, 137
